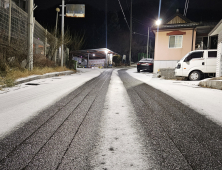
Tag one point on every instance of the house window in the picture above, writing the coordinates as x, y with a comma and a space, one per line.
175, 41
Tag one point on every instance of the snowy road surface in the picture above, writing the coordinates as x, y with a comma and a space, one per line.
19, 104
113, 121
206, 101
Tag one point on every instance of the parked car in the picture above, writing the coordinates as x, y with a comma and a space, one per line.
145, 64
197, 64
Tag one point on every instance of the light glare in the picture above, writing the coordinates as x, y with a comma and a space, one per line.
158, 22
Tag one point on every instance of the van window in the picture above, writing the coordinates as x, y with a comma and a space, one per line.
212, 54
194, 55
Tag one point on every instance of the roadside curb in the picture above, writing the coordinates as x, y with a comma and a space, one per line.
216, 84
47, 75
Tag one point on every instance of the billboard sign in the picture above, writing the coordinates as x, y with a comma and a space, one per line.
75, 10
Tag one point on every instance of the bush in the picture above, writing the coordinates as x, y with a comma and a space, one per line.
117, 60
41, 61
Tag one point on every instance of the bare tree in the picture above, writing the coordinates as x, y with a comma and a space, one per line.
54, 43
77, 42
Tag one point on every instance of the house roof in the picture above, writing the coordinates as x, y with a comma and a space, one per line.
177, 21
216, 30
177, 15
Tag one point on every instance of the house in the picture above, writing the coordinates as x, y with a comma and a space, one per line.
176, 37
94, 57
217, 33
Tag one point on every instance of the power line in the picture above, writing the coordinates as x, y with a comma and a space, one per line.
123, 14
139, 34
142, 34
138, 21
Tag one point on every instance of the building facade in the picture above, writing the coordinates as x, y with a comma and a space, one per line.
176, 37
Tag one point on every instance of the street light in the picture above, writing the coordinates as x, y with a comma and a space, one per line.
57, 10
158, 22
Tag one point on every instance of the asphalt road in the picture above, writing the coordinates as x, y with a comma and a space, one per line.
67, 127
64, 135
176, 136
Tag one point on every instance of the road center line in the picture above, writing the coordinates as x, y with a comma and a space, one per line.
118, 146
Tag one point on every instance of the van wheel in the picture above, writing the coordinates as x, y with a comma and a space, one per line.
138, 70
195, 75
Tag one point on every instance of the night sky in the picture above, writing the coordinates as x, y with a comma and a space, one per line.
145, 12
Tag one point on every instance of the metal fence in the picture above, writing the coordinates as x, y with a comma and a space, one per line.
19, 26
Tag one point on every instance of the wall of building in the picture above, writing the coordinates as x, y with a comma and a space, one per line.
166, 57
219, 58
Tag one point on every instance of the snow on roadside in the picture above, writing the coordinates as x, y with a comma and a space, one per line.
204, 100
118, 146
22, 102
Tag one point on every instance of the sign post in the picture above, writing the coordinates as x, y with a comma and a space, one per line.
72, 10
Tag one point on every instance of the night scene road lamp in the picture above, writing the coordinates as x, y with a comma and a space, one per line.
158, 22
57, 10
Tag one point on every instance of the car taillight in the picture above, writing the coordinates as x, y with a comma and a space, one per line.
150, 64
138, 63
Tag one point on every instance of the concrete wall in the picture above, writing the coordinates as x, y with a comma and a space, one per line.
163, 53
164, 64
167, 73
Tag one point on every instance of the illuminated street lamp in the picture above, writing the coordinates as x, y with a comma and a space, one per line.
57, 10
158, 22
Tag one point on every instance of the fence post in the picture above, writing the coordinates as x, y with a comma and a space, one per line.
55, 55
9, 21
45, 43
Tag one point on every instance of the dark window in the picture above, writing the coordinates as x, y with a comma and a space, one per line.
212, 54
194, 55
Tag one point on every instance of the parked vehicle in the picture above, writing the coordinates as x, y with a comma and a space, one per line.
145, 64
197, 64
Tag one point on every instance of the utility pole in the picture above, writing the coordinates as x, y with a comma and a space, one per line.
88, 61
62, 48
9, 21
150, 48
130, 52
30, 34
148, 36
45, 42
55, 55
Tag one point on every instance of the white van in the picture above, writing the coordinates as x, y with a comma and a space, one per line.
196, 64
